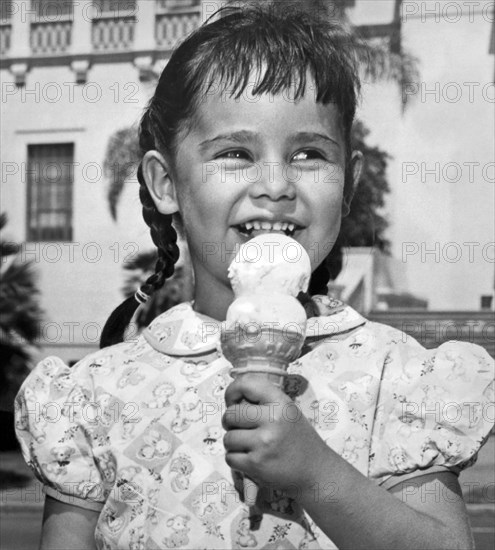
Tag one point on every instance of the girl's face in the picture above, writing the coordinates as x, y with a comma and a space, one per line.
251, 165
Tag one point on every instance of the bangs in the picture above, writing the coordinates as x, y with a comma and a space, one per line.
272, 53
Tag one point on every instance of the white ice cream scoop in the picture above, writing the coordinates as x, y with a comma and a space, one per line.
270, 262
256, 311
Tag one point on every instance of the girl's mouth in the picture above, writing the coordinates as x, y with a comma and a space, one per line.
257, 227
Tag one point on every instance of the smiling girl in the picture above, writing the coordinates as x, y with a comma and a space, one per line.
249, 132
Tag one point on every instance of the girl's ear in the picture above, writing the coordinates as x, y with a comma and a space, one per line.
356, 168
159, 182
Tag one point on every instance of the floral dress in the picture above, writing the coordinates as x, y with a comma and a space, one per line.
134, 430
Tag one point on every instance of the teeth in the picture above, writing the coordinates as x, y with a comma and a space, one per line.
268, 226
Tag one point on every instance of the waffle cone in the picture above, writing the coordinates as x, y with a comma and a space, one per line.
266, 351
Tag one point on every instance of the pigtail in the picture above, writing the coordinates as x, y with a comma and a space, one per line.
165, 239
318, 284
319, 279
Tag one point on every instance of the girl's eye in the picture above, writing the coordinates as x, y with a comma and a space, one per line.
235, 154
308, 154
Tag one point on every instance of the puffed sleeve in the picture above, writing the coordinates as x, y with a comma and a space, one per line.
435, 410
61, 434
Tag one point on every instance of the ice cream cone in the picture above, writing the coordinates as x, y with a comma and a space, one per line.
267, 274
265, 352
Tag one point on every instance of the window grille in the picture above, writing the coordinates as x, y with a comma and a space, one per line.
49, 200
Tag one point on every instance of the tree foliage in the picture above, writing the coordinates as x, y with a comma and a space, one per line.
20, 317
365, 225
121, 158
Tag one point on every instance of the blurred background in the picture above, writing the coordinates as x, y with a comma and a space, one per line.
417, 250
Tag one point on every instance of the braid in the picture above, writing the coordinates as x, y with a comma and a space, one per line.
318, 284
319, 279
164, 237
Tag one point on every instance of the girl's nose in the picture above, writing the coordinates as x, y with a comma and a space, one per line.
273, 180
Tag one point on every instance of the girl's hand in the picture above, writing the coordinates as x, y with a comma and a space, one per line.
268, 438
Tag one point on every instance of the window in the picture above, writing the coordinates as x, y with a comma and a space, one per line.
49, 201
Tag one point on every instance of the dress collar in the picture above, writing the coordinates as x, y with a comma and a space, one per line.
181, 331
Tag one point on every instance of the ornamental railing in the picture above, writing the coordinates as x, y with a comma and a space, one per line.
113, 25
49, 37
113, 34
6, 9
171, 28
55, 27
51, 27
5, 37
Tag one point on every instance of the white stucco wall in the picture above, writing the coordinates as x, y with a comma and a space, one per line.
80, 281
442, 174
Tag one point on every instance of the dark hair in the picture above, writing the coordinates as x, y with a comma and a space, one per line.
220, 56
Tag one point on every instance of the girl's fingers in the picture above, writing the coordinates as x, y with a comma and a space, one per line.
243, 415
237, 461
255, 388
239, 441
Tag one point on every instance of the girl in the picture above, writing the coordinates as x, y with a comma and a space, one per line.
249, 131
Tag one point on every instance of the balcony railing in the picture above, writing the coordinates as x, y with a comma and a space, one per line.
171, 28
6, 10
50, 37
175, 19
113, 26
5, 37
110, 26
113, 33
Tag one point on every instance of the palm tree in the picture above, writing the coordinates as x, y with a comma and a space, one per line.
20, 322
383, 57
